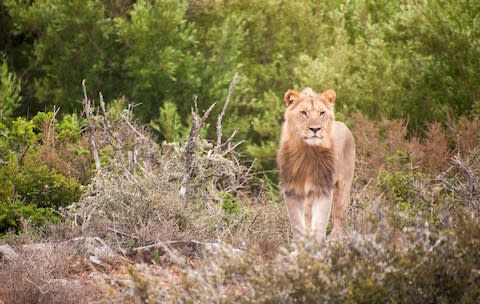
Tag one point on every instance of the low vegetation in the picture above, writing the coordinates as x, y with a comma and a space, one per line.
196, 225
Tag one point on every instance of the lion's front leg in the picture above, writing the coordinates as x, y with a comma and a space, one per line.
296, 214
321, 209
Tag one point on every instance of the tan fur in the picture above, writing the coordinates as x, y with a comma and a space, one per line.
316, 159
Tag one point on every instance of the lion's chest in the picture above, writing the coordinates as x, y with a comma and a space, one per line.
307, 172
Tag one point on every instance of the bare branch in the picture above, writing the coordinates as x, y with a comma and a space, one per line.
232, 148
231, 88
189, 148
126, 120
197, 125
230, 138
106, 121
472, 190
91, 126
86, 101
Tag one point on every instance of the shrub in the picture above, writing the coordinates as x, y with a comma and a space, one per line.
18, 137
46, 188
32, 194
421, 265
402, 182
230, 206
12, 215
148, 193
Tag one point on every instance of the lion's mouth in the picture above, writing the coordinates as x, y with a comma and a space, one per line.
314, 136
314, 140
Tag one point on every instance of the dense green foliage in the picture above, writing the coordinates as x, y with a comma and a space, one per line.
34, 178
9, 91
11, 215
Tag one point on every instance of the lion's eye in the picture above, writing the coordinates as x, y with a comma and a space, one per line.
304, 113
322, 113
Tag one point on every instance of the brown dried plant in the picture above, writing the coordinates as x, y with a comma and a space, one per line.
435, 150
467, 135
47, 273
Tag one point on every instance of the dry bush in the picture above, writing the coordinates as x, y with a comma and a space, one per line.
466, 133
136, 196
403, 258
376, 143
393, 135
419, 265
47, 273
402, 173
460, 183
425, 253
371, 152
436, 153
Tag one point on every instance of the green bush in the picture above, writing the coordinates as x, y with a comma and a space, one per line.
407, 191
46, 188
18, 137
12, 214
32, 193
382, 58
230, 206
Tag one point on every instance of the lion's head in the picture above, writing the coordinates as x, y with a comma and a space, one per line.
309, 116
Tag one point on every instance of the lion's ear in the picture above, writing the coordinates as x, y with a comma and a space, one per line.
329, 96
290, 97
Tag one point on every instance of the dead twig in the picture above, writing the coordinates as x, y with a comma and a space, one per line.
231, 88
91, 126
190, 144
472, 188
127, 121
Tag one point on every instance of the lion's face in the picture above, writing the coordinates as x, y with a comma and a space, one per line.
309, 116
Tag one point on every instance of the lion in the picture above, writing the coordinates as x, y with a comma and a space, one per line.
316, 159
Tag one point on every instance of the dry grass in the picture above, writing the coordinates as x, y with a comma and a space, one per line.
420, 264
47, 273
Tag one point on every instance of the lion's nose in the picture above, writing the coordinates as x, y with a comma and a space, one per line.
315, 130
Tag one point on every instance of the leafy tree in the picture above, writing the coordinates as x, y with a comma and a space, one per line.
10, 87
160, 57
446, 35
73, 40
